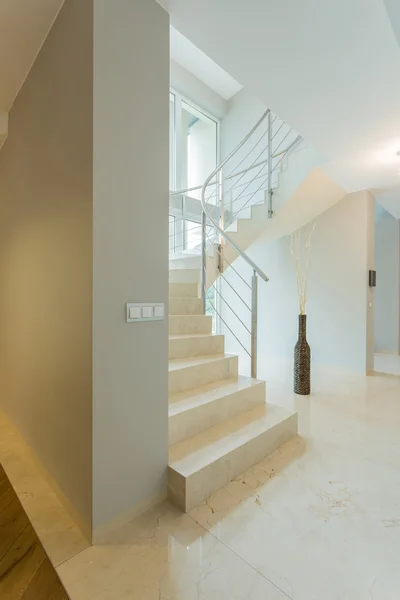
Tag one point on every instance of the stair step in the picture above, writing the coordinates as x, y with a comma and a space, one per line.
184, 275
184, 290
259, 212
202, 464
189, 324
186, 374
193, 411
186, 346
185, 260
185, 306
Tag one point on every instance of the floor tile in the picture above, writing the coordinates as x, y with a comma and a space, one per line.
320, 517
164, 555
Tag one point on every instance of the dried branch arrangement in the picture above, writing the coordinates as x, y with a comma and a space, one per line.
300, 247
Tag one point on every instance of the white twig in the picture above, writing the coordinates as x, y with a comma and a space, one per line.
300, 248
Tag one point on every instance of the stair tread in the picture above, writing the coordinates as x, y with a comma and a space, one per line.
195, 453
190, 269
183, 401
183, 363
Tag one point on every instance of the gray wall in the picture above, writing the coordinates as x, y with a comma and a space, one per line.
46, 257
131, 172
387, 293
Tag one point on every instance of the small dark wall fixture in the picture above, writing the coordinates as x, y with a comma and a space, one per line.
372, 279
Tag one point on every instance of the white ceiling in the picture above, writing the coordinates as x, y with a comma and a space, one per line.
201, 66
331, 69
24, 25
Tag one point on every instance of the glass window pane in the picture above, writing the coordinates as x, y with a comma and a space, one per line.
171, 141
201, 139
193, 234
171, 233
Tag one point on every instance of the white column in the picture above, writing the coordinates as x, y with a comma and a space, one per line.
130, 256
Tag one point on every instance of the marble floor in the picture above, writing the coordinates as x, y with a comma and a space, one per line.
387, 363
318, 519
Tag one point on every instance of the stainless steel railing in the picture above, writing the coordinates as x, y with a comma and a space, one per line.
225, 195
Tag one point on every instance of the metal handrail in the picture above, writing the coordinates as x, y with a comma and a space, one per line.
214, 220
206, 214
184, 191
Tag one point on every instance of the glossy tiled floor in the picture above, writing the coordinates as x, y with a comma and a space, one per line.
387, 363
317, 520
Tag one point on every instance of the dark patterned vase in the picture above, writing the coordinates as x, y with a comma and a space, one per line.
302, 359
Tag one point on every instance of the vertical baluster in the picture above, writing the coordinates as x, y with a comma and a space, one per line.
254, 323
203, 259
270, 211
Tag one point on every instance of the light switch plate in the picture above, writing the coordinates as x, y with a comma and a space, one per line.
144, 311
159, 311
147, 312
135, 313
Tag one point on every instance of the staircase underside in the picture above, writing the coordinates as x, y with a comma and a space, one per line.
313, 196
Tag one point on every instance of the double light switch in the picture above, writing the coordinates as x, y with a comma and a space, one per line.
144, 312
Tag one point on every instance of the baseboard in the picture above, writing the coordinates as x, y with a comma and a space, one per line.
103, 535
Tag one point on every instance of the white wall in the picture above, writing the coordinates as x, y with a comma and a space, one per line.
195, 90
46, 258
244, 110
387, 293
130, 361
340, 330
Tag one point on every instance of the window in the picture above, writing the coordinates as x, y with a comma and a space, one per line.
193, 144
193, 156
201, 147
171, 141
171, 233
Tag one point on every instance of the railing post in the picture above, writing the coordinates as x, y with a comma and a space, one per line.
183, 224
254, 323
203, 259
270, 192
221, 201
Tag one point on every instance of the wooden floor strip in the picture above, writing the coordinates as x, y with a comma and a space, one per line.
26, 572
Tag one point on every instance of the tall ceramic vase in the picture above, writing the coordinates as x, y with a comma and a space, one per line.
302, 359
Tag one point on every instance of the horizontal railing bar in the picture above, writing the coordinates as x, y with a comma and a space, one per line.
184, 191
282, 140
225, 279
248, 154
232, 267
298, 139
277, 131
230, 308
252, 194
261, 162
254, 166
226, 325
250, 182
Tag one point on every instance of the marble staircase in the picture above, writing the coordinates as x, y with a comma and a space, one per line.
219, 422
